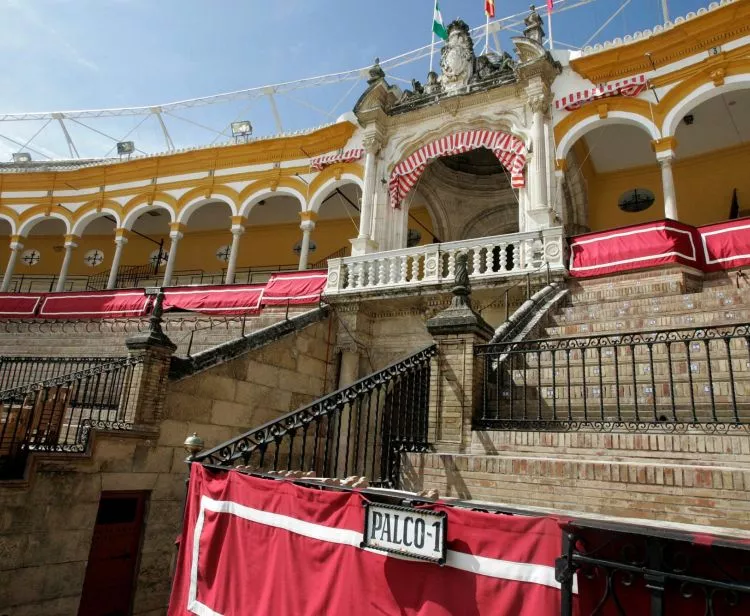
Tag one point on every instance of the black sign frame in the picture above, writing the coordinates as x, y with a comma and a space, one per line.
443, 540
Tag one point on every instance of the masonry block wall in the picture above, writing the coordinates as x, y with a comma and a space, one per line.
47, 522
690, 478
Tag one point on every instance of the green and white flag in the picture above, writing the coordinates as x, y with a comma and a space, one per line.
437, 24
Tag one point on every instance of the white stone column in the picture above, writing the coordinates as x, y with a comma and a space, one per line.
120, 241
175, 235
539, 155
665, 149
238, 228
70, 245
15, 249
364, 243
307, 225
561, 166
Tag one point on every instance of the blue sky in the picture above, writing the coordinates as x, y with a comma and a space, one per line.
84, 54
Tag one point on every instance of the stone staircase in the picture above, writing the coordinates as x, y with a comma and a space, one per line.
602, 416
106, 337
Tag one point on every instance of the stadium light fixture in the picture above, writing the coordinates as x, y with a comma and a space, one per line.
242, 130
125, 148
21, 157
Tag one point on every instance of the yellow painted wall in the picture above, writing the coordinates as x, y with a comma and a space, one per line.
260, 246
703, 184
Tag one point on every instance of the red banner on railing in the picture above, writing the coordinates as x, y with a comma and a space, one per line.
218, 299
725, 245
19, 305
633, 248
294, 288
95, 305
261, 546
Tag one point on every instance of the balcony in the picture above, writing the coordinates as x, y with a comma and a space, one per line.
491, 259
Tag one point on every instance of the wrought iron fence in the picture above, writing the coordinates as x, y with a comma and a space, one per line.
358, 430
649, 571
664, 380
19, 371
57, 415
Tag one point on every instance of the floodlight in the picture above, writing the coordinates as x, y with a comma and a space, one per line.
21, 157
242, 128
125, 147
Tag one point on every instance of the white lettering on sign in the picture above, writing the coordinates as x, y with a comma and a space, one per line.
411, 532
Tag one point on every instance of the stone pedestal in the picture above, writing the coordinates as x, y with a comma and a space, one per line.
363, 246
456, 379
147, 389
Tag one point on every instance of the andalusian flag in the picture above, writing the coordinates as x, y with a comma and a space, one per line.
489, 8
437, 24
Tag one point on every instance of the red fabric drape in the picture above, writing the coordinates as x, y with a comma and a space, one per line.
19, 305
95, 304
726, 244
294, 288
218, 299
633, 248
256, 546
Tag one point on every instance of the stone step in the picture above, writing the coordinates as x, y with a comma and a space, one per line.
675, 305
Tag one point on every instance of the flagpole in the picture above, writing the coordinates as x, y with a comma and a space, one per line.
432, 44
549, 26
487, 35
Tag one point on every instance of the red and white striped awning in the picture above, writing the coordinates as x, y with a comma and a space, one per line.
342, 156
510, 151
632, 86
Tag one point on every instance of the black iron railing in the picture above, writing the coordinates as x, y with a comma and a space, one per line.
668, 380
57, 415
651, 572
19, 371
359, 430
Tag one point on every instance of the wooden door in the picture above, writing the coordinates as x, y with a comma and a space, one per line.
111, 570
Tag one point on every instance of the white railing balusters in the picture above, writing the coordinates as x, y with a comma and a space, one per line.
496, 257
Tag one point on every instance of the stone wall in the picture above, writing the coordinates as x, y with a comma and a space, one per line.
47, 522
690, 478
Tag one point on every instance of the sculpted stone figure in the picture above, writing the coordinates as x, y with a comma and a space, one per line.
457, 57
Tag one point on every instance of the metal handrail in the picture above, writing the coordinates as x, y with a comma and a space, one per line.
391, 416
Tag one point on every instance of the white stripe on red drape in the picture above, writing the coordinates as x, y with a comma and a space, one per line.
510, 151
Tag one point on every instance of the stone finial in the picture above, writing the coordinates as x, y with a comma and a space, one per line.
533, 29
460, 317
376, 73
155, 335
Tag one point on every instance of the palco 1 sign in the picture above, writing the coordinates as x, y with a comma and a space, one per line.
409, 532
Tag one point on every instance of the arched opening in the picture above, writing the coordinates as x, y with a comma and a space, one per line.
712, 158
271, 234
6, 231
462, 196
145, 254
40, 260
93, 257
337, 222
611, 169
203, 251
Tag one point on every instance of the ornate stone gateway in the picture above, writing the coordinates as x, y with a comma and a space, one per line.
491, 101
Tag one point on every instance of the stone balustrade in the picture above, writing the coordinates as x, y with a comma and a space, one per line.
490, 258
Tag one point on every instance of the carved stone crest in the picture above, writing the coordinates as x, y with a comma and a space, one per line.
457, 57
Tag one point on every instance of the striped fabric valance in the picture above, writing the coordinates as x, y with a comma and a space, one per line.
342, 156
632, 86
510, 151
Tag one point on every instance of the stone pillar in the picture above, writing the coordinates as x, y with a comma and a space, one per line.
456, 379
665, 149
15, 249
70, 245
539, 154
144, 398
307, 225
561, 166
238, 228
364, 243
176, 233
120, 241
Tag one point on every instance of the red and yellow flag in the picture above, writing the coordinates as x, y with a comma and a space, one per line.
489, 8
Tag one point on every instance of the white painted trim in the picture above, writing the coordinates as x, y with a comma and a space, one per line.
543, 575
588, 124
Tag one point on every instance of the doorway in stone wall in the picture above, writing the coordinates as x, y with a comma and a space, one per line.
113, 558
